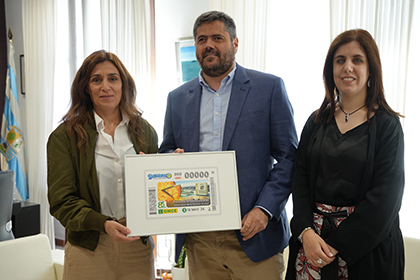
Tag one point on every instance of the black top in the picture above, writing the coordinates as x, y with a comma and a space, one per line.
341, 164
372, 230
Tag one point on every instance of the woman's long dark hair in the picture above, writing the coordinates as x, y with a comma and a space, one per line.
375, 93
81, 107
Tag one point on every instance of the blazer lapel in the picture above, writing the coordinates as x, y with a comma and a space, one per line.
240, 90
191, 131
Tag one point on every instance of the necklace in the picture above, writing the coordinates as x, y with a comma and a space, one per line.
348, 114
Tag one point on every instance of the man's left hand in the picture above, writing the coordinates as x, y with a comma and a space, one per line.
253, 222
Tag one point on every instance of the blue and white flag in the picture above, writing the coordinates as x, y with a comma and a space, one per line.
11, 142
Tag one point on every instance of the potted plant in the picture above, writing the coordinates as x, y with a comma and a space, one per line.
178, 269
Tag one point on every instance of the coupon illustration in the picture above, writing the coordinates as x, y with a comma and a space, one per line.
182, 192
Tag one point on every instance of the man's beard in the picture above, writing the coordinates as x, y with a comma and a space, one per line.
217, 69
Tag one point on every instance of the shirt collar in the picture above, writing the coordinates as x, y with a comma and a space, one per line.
226, 80
100, 122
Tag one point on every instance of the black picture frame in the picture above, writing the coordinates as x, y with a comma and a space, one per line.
22, 74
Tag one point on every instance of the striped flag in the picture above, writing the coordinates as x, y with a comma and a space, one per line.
11, 149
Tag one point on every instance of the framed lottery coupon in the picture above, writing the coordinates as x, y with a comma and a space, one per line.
181, 193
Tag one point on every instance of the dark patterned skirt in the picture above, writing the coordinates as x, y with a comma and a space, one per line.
325, 216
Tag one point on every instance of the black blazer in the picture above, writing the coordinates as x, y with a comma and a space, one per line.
369, 240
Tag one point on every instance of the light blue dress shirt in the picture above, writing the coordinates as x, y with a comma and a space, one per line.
213, 110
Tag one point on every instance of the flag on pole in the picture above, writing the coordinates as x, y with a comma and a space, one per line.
11, 143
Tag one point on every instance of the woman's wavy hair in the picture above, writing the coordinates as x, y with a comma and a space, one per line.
81, 105
375, 93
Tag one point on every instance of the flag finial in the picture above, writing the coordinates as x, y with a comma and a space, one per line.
10, 34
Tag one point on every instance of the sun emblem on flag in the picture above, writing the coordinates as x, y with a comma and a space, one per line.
13, 143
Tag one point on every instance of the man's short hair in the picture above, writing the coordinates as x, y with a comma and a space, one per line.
211, 16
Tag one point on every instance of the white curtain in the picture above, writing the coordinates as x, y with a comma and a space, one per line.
39, 49
120, 27
126, 31
250, 17
389, 22
411, 130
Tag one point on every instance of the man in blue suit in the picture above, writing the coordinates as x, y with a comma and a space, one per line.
229, 107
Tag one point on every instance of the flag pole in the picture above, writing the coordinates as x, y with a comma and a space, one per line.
10, 35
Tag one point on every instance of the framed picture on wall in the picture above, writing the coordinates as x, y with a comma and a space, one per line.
187, 65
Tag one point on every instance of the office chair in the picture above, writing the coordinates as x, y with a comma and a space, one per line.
7, 182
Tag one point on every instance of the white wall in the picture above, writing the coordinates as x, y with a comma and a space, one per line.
174, 20
297, 52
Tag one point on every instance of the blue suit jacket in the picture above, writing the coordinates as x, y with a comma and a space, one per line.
260, 128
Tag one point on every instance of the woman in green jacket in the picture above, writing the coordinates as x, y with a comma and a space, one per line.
86, 173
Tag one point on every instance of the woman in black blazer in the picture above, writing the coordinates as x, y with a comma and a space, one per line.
349, 173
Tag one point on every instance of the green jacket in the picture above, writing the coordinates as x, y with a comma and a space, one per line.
73, 190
